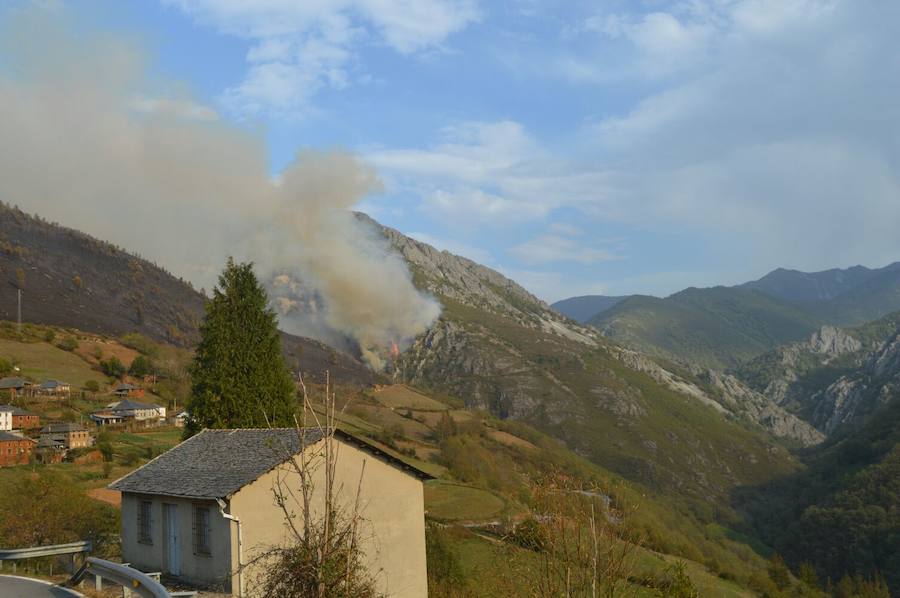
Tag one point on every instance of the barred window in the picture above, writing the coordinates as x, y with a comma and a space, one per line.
145, 522
201, 530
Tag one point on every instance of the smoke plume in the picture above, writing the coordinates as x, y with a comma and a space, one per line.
88, 138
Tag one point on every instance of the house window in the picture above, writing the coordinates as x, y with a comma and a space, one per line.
201, 530
145, 522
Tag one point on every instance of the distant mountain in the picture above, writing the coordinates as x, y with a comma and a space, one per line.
73, 280
811, 287
718, 327
849, 296
723, 327
582, 309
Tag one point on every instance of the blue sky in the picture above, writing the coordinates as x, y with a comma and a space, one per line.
579, 147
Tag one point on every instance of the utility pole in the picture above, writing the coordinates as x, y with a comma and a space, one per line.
19, 313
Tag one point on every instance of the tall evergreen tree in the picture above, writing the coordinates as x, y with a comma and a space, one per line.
239, 379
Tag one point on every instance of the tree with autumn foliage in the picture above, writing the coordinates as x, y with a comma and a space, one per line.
239, 379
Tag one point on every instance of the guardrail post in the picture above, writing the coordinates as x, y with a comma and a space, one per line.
98, 582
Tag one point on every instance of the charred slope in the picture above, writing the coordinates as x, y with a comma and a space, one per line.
68, 278
73, 280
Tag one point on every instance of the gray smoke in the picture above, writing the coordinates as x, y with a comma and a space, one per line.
88, 139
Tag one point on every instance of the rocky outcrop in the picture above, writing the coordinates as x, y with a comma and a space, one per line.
749, 404
728, 395
858, 394
832, 378
831, 342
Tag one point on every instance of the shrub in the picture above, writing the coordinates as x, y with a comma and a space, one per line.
68, 343
6, 366
141, 366
113, 367
49, 336
141, 344
92, 386
444, 569
529, 534
778, 572
48, 508
678, 583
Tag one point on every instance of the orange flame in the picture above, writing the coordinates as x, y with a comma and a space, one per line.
395, 350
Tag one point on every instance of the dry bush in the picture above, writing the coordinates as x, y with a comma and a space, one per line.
583, 549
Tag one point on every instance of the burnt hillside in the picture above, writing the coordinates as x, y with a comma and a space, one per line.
73, 280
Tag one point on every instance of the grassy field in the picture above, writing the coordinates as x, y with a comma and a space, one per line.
42, 361
400, 396
449, 501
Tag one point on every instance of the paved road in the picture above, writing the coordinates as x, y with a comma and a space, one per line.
19, 587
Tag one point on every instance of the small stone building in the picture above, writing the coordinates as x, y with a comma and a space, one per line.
65, 436
15, 387
54, 388
208, 506
128, 390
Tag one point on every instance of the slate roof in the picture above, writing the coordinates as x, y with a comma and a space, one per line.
15, 410
128, 405
215, 463
125, 387
12, 383
4, 436
63, 427
218, 463
51, 384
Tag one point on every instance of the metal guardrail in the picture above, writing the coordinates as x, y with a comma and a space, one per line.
15, 554
130, 579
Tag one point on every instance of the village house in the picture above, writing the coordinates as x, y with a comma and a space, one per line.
129, 409
15, 386
65, 436
21, 419
106, 417
54, 388
180, 419
14, 449
6, 418
128, 390
206, 509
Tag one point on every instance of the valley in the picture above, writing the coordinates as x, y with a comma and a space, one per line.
503, 392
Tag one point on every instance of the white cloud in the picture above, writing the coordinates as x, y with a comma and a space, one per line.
487, 172
788, 135
561, 244
302, 47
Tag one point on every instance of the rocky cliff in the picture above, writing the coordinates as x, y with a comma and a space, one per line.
834, 376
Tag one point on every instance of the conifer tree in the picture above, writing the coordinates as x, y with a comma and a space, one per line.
239, 379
